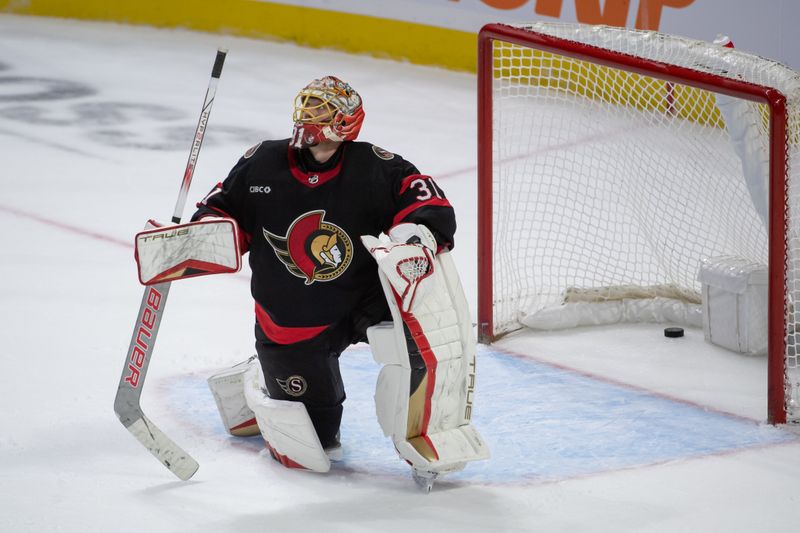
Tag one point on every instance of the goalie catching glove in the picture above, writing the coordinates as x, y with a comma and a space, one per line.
169, 253
405, 261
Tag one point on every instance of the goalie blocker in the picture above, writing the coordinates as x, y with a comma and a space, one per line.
169, 253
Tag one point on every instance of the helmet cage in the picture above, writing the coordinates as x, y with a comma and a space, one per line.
313, 109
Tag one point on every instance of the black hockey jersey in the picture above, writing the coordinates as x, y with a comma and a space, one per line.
301, 222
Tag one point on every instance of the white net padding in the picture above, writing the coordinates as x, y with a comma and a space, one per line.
617, 185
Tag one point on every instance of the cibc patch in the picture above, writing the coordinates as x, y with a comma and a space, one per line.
249, 153
383, 154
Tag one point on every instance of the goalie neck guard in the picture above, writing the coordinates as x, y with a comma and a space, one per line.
327, 109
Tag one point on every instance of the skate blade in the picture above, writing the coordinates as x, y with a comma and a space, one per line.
335, 453
424, 480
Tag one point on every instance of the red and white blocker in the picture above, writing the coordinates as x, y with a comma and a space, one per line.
170, 253
425, 391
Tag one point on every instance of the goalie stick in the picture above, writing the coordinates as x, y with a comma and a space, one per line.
127, 401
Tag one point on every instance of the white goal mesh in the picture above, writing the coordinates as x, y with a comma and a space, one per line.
618, 184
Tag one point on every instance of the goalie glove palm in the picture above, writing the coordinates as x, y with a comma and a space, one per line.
406, 267
410, 233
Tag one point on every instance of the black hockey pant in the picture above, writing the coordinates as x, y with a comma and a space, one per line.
308, 371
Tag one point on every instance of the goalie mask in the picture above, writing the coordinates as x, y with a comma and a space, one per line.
326, 109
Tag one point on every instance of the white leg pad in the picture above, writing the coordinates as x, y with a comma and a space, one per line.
454, 447
285, 426
228, 390
430, 425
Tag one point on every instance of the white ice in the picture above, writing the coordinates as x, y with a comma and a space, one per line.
95, 124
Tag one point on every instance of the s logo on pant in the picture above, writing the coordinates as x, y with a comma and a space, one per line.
293, 385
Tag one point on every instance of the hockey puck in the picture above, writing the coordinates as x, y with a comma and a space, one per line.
673, 332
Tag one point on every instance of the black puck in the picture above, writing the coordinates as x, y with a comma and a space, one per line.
673, 332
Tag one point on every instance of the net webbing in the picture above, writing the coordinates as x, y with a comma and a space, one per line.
605, 178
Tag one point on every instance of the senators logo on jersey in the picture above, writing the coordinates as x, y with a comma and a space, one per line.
313, 249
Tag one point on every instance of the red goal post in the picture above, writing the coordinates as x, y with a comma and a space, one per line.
511, 56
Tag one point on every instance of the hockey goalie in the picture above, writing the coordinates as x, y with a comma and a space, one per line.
299, 207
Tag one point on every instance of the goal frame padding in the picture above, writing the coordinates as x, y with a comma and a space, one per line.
778, 168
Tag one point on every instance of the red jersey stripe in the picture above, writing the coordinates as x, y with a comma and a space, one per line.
312, 179
284, 335
408, 179
403, 213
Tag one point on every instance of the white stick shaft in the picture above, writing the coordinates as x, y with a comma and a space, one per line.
199, 133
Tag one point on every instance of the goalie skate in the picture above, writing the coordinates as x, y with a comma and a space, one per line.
424, 479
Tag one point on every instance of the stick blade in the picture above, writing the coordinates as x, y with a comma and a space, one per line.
163, 448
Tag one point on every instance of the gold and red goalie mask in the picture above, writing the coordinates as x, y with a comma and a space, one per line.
326, 109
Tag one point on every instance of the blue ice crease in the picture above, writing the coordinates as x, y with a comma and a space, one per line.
541, 422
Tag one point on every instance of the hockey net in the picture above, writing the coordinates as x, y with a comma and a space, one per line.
613, 161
